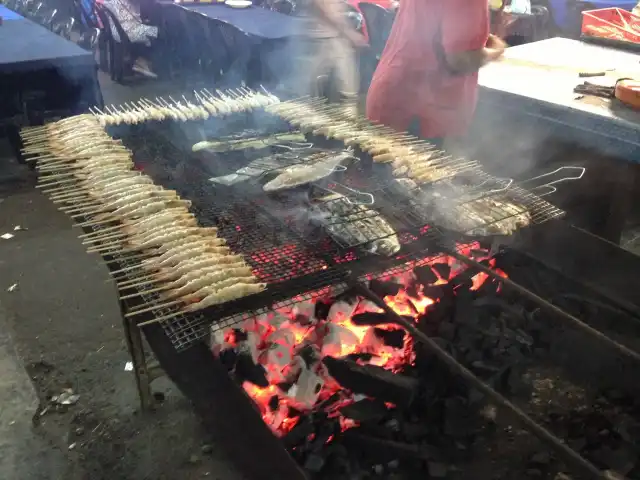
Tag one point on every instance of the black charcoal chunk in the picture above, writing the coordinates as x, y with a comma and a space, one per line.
391, 338
425, 275
239, 335
248, 371
438, 470
322, 310
364, 357
386, 450
382, 288
374, 318
228, 357
442, 269
314, 462
299, 432
373, 381
365, 410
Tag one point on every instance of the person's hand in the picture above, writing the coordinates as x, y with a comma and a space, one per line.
494, 49
496, 43
356, 39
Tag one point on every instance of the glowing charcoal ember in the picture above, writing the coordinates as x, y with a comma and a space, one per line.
250, 346
338, 341
218, 342
259, 325
342, 310
282, 337
371, 342
368, 306
305, 312
275, 359
289, 352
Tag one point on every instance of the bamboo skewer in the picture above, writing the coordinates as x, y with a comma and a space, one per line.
134, 313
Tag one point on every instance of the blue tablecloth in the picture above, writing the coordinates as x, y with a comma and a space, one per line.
26, 46
254, 21
7, 14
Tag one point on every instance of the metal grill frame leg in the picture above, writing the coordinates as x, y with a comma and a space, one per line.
145, 372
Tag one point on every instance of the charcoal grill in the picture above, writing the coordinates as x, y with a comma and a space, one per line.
299, 268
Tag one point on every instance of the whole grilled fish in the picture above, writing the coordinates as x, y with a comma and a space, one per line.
481, 216
253, 169
301, 174
356, 225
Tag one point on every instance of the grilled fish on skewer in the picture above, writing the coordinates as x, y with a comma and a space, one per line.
226, 295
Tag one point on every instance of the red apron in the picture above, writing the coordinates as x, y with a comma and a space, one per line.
412, 82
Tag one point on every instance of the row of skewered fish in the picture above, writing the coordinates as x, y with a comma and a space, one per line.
174, 261
415, 164
203, 105
408, 155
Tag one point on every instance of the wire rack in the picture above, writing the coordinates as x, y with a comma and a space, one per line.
297, 258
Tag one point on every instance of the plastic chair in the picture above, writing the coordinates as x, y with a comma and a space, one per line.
378, 21
285, 7
123, 52
108, 45
104, 40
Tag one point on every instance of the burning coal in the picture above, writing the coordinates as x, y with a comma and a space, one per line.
330, 352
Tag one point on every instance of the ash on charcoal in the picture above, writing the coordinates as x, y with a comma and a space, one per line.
373, 381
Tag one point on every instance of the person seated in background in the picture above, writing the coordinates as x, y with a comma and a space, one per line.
128, 14
329, 48
427, 79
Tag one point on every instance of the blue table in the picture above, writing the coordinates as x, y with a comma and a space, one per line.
42, 74
255, 21
7, 14
27, 46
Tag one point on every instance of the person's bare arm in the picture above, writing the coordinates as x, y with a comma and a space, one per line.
327, 10
471, 61
464, 30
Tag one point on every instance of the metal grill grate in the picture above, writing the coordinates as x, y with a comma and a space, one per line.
295, 257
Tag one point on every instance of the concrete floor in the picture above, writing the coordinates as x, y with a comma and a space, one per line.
60, 328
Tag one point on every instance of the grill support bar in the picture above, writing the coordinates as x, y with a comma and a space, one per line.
566, 453
576, 322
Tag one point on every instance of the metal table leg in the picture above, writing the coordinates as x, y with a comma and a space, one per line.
145, 372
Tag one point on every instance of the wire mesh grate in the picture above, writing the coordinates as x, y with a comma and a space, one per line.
297, 257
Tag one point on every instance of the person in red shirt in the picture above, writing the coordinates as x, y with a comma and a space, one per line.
427, 79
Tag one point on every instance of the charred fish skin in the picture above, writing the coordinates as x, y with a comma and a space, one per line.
358, 225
